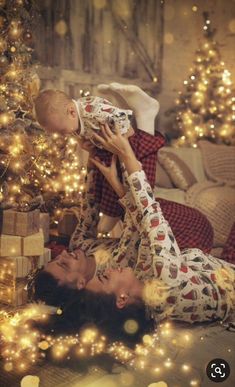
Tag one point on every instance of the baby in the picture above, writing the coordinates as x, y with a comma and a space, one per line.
57, 112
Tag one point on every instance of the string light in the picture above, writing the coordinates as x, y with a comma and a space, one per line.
24, 345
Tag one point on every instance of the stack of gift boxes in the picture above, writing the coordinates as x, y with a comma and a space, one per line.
22, 239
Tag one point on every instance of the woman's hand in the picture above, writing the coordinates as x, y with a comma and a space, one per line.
113, 142
110, 173
87, 146
90, 148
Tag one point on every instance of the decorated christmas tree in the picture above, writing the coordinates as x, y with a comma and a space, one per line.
206, 109
34, 170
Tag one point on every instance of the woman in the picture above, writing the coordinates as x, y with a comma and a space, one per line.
189, 286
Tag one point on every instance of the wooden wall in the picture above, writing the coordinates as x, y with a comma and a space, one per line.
106, 40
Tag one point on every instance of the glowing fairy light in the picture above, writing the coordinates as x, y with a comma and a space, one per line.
186, 367
24, 345
194, 383
168, 363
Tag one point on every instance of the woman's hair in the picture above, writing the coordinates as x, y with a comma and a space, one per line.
84, 307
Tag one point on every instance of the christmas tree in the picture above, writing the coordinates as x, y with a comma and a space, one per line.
206, 110
34, 169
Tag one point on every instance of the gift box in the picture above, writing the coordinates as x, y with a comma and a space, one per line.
68, 221
13, 271
44, 219
15, 246
15, 295
19, 223
19, 267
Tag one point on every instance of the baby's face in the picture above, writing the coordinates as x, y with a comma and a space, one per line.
64, 122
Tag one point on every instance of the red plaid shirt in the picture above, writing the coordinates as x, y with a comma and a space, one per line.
145, 147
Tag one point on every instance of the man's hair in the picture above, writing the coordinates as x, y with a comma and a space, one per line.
49, 101
82, 307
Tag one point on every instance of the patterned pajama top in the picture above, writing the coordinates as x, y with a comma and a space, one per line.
189, 286
93, 111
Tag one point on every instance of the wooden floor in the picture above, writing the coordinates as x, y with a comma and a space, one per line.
207, 343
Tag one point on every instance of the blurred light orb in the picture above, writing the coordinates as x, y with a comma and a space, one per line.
168, 38
61, 28
122, 8
131, 326
126, 379
226, 130
231, 26
8, 367
99, 4
30, 381
194, 8
148, 340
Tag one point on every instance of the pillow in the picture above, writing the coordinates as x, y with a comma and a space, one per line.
180, 174
219, 162
217, 202
174, 194
192, 157
162, 179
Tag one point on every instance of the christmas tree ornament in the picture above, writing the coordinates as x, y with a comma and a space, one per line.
3, 61
34, 85
3, 43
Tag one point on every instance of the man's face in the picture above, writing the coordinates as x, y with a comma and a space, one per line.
69, 269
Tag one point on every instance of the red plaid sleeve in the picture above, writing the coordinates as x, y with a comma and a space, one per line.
145, 147
228, 253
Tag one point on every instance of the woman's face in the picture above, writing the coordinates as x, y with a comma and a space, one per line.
119, 282
69, 269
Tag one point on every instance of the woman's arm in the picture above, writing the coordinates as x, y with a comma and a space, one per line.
119, 145
144, 210
89, 216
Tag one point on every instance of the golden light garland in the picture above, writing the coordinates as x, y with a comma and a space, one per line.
24, 346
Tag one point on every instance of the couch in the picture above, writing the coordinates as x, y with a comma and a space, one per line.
202, 178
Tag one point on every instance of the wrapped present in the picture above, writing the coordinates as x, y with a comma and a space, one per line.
45, 225
15, 295
19, 267
15, 246
19, 223
68, 221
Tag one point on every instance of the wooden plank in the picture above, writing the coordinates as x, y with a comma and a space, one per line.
83, 78
137, 45
95, 48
